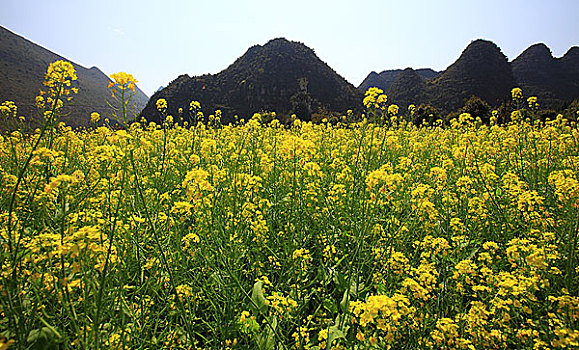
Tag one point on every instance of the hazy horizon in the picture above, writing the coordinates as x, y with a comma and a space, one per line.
156, 44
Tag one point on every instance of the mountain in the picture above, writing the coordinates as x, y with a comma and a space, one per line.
386, 78
481, 70
484, 71
409, 87
570, 64
281, 76
552, 79
374, 80
23, 65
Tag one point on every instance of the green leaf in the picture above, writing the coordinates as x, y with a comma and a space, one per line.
258, 298
345, 303
340, 281
45, 338
334, 333
266, 340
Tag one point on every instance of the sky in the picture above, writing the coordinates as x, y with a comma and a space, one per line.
156, 41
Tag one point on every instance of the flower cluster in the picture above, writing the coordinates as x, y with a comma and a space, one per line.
123, 81
460, 236
60, 73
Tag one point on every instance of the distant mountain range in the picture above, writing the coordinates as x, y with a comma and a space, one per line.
484, 71
287, 77
281, 76
23, 65
553, 79
386, 78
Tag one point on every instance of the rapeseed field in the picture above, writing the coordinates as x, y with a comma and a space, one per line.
371, 234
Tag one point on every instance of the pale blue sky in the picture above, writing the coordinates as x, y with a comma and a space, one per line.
158, 40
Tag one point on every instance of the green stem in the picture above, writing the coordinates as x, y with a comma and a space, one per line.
102, 284
164, 260
572, 253
14, 247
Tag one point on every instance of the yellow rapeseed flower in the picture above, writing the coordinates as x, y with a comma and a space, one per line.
532, 101
161, 104
194, 106
516, 93
94, 117
8, 109
59, 73
374, 97
123, 81
184, 291
39, 102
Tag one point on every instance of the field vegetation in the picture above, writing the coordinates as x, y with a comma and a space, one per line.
373, 233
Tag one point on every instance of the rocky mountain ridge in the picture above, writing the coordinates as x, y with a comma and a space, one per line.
23, 65
280, 76
385, 79
483, 70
